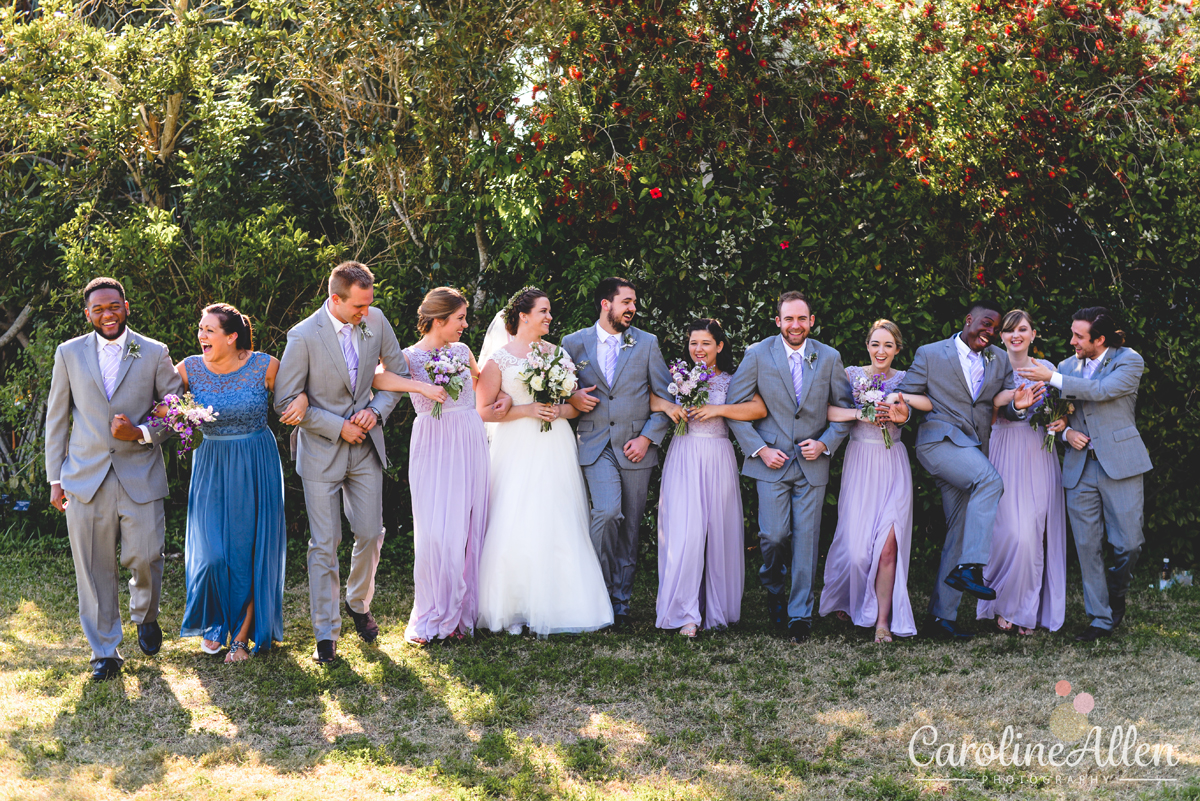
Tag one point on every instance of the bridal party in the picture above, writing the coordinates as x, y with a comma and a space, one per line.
531, 463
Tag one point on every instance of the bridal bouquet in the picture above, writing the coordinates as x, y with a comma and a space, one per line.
868, 392
689, 386
549, 374
1054, 407
447, 370
183, 416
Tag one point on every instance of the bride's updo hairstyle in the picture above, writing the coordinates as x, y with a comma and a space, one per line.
438, 304
520, 303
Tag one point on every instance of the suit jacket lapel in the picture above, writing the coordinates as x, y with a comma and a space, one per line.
329, 336
809, 371
589, 348
368, 357
623, 354
780, 354
126, 360
956, 366
92, 359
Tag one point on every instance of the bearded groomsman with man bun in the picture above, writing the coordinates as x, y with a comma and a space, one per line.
1103, 468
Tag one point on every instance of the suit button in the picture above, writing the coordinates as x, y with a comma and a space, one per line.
610, 397
613, 423
797, 415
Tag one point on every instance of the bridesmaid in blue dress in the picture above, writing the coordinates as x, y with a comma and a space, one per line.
235, 526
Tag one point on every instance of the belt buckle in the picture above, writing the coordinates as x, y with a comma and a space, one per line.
1091, 454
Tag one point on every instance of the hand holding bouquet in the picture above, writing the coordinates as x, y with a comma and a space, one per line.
549, 374
183, 416
1054, 407
868, 393
689, 386
447, 370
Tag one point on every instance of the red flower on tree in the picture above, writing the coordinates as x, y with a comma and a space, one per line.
784, 244
656, 193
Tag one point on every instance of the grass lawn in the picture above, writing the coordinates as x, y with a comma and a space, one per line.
647, 715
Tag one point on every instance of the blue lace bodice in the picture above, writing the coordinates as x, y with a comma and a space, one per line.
239, 398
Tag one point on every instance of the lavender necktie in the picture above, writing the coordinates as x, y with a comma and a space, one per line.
1089, 368
108, 367
610, 360
976, 362
350, 354
797, 374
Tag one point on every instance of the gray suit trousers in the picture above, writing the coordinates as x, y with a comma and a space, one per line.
789, 522
971, 490
618, 498
1096, 505
95, 528
358, 495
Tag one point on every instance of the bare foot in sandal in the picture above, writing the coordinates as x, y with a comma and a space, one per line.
882, 634
238, 652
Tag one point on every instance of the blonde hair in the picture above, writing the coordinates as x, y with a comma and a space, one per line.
438, 304
1014, 318
348, 274
891, 328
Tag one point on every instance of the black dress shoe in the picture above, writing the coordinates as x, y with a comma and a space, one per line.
326, 652
621, 622
799, 631
364, 624
1093, 633
937, 628
1117, 605
106, 669
149, 637
969, 579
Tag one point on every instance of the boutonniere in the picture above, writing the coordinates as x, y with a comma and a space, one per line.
1105, 363
133, 351
628, 341
582, 364
811, 358
366, 332
988, 356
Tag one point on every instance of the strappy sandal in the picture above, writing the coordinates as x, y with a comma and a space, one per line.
1003, 629
211, 651
690, 631
882, 634
234, 647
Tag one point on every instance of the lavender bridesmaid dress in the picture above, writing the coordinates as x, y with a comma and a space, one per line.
701, 548
876, 497
1028, 563
448, 474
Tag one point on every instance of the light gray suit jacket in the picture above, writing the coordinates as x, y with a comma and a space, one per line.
80, 446
1104, 411
623, 410
313, 363
765, 370
937, 374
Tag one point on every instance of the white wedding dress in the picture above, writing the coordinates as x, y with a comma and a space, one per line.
538, 567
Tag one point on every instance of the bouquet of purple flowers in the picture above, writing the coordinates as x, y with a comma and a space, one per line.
183, 416
689, 386
869, 391
447, 370
1054, 407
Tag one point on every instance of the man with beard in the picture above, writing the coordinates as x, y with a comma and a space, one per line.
954, 382
106, 472
788, 452
618, 436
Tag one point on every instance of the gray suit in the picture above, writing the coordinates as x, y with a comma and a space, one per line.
618, 487
790, 498
952, 444
114, 488
1104, 489
338, 475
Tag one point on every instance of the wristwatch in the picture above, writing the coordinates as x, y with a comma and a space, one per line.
378, 416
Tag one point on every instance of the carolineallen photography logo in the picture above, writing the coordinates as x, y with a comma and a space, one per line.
1075, 752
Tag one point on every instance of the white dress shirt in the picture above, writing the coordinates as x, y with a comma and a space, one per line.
337, 328
964, 360
100, 343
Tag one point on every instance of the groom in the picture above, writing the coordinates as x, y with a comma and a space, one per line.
788, 451
331, 356
106, 473
618, 436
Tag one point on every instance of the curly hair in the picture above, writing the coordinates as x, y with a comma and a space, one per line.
522, 302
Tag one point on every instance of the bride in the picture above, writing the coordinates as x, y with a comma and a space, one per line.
538, 567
